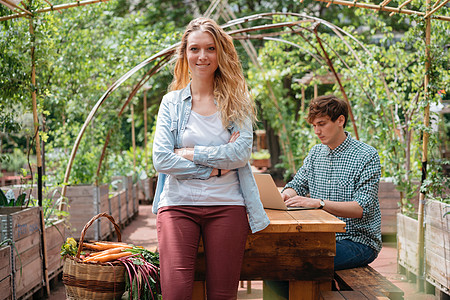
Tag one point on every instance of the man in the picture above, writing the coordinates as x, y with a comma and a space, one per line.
341, 176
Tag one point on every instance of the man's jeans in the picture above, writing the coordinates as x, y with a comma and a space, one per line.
349, 255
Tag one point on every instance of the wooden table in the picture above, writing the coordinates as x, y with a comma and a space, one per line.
298, 246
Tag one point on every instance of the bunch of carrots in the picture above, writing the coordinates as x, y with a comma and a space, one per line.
105, 252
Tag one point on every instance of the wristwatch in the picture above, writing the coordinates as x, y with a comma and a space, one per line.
322, 204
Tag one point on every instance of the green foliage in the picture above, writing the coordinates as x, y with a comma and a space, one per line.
384, 87
436, 185
15, 161
81, 51
261, 154
69, 248
9, 199
143, 271
51, 201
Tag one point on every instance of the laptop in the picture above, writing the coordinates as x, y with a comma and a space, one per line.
270, 195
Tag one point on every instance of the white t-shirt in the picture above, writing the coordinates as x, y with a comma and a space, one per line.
225, 190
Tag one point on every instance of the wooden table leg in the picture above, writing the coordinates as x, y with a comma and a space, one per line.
307, 290
199, 290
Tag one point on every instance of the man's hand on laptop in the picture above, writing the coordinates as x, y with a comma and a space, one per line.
288, 193
297, 201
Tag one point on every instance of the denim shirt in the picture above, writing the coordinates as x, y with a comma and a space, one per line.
173, 115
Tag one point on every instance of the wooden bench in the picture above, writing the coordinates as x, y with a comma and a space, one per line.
368, 282
347, 295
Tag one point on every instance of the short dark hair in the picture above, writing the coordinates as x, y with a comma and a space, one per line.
327, 105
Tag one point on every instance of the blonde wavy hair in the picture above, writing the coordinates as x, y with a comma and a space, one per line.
234, 101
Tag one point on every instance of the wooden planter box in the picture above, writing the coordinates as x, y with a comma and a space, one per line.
86, 201
123, 217
135, 199
5, 273
23, 227
114, 208
437, 245
389, 197
130, 197
407, 243
146, 190
54, 239
261, 163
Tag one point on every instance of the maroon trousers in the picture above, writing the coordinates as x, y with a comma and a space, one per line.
224, 232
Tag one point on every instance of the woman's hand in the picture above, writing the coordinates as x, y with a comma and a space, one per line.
234, 137
187, 153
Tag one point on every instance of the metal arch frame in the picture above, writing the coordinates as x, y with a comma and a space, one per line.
165, 55
162, 54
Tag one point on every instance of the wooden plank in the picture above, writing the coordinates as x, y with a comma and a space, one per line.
353, 295
30, 278
29, 251
25, 222
407, 242
390, 213
288, 256
136, 199
5, 288
199, 291
114, 201
5, 262
437, 244
369, 282
55, 237
303, 290
437, 268
435, 211
123, 207
437, 240
331, 295
344, 295
369, 294
387, 187
80, 191
315, 220
389, 222
54, 260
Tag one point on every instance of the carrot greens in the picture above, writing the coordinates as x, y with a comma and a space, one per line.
143, 274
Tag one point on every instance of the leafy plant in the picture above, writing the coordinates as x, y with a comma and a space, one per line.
14, 161
69, 247
51, 202
143, 274
261, 154
9, 199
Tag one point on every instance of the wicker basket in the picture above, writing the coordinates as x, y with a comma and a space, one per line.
93, 280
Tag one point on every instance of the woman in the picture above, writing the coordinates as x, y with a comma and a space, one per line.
201, 149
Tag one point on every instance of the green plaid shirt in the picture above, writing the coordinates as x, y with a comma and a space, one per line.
350, 172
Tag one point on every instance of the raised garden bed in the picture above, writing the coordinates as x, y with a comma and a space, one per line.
23, 226
86, 201
437, 245
54, 238
407, 244
5, 273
